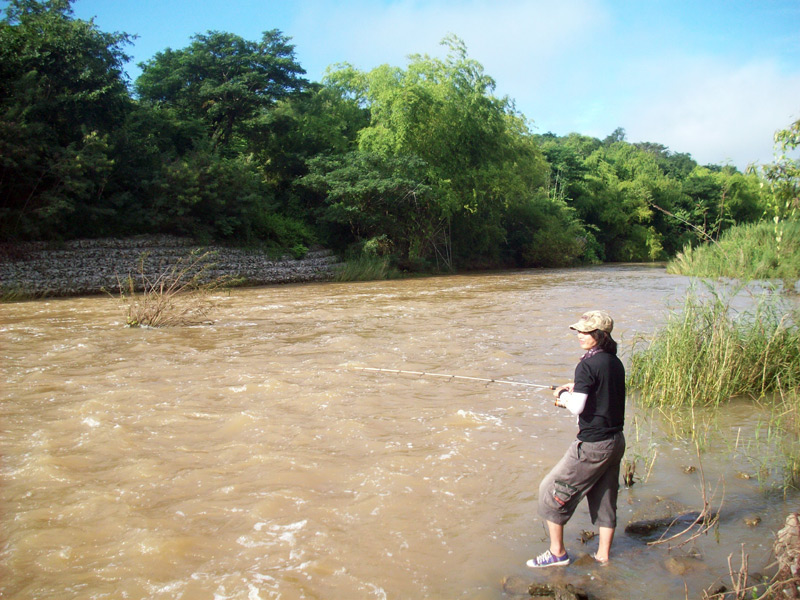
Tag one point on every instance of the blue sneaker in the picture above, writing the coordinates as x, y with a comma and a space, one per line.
548, 559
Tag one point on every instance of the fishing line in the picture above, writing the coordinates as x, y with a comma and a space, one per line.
447, 376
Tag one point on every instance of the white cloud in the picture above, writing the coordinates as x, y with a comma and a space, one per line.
515, 40
718, 112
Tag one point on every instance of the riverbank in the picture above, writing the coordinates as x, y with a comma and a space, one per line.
85, 267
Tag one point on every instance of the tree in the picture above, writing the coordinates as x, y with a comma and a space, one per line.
382, 197
62, 96
476, 152
676, 165
783, 175
618, 135
623, 182
223, 79
319, 121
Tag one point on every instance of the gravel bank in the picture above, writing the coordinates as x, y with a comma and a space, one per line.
93, 266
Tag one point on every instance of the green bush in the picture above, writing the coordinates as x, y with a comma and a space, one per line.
758, 251
366, 268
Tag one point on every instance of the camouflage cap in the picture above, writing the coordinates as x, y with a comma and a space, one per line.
594, 319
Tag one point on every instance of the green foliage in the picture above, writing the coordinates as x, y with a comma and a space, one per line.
203, 194
644, 202
709, 353
783, 176
466, 149
223, 79
314, 123
61, 95
714, 200
280, 231
543, 232
227, 141
376, 196
366, 268
745, 252
623, 182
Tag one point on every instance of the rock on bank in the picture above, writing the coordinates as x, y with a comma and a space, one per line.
94, 266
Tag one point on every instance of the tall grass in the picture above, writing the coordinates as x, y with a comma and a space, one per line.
178, 295
18, 293
756, 251
708, 352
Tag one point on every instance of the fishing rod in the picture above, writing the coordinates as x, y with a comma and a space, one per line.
447, 376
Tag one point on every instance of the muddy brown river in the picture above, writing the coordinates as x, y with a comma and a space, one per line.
250, 458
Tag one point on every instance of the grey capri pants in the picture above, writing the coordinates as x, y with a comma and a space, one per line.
588, 469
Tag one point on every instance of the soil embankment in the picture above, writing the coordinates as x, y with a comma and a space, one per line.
92, 266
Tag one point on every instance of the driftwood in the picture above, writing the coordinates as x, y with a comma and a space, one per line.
660, 515
646, 527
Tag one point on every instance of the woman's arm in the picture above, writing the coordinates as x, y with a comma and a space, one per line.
573, 401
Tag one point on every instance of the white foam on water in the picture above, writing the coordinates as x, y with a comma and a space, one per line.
480, 417
273, 533
377, 592
252, 592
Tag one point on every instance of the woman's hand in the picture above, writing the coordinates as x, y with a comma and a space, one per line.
567, 387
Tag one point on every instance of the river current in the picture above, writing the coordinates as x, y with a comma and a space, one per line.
251, 458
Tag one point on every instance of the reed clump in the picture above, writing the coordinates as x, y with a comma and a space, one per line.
708, 352
179, 294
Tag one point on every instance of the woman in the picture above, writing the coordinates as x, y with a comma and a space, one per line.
591, 465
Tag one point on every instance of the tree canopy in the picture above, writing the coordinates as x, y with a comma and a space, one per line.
226, 140
62, 93
223, 80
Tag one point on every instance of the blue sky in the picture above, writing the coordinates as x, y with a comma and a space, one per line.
714, 78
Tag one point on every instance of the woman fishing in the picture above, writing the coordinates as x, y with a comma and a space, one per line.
591, 465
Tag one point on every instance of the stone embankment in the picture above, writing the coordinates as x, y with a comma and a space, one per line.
94, 266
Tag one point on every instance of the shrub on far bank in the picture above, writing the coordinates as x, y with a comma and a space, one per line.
758, 251
366, 268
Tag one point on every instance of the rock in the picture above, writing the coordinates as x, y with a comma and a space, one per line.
584, 560
516, 586
689, 469
557, 591
787, 554
680, 565
752, 520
